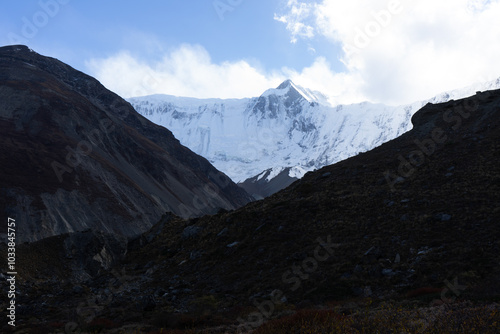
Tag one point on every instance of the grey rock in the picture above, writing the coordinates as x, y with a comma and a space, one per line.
358, 269
260, 187
373, 252
443, 217
259, 227
397, 259
223, 232
92, 252
77, 289
399, 179
191, 232
194, 255
388, 272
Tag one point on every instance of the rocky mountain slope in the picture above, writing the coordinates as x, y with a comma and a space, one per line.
271, 181
75, 156
414, 222
414, 212
287, 127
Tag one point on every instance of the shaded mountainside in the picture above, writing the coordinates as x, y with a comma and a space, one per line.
415, 212
414, 220
269, 182
76, 156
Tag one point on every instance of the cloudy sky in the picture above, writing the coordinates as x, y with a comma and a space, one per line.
389, 51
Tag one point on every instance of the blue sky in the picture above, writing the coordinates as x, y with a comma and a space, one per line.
99, 28
381, 50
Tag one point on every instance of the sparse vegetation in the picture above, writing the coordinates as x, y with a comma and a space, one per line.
407, 250
453, 319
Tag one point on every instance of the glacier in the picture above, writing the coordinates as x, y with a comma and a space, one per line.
286, 127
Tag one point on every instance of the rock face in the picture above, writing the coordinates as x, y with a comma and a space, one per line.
88, 252
269, 182
76, 156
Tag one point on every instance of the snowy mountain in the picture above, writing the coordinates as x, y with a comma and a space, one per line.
286, 127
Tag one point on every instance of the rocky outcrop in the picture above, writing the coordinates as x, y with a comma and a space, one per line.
268, 182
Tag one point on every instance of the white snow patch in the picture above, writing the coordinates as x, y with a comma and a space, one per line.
275, 171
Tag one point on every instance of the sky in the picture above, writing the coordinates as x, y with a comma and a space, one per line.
382, 51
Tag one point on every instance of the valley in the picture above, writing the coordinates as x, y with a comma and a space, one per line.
141, 234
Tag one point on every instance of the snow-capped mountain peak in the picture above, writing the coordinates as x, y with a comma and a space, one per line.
285, 101
286, 127
286, 88
292, 92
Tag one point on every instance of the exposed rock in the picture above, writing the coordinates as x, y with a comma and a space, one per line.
191, 232
260, 187
358, 269
77, 156
374, 252
223, 232
397, 259
388, 272
443, 217
94, 251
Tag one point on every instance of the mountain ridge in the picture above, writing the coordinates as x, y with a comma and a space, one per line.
277, 130
76, 155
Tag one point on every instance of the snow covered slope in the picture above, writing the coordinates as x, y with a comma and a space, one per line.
289, 126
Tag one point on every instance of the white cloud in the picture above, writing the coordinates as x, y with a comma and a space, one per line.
320, 76
311, 50
189, 71
398, 51
394, 51
185, 71
295, 20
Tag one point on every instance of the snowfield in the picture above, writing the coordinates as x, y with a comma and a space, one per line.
289, 126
